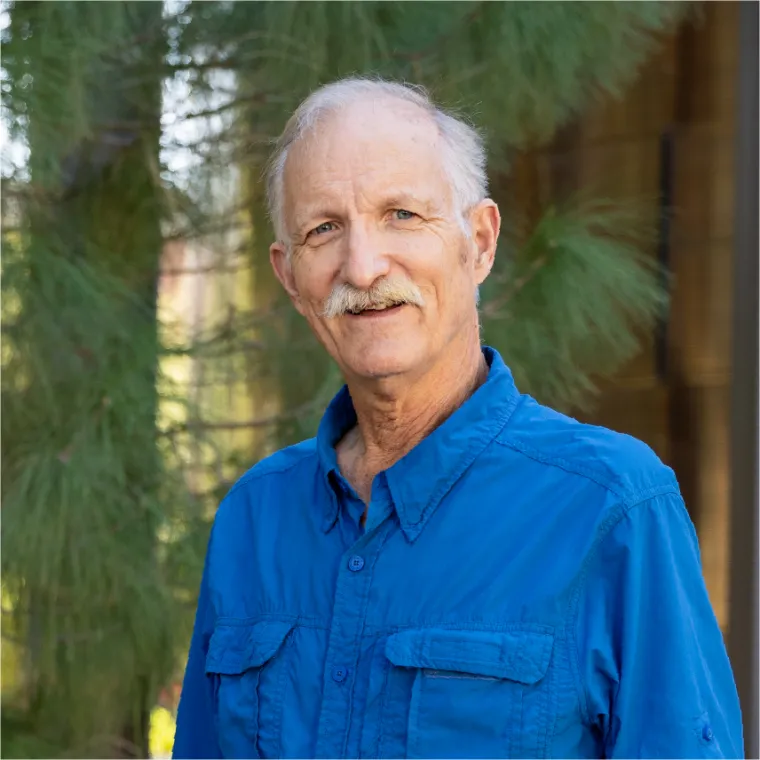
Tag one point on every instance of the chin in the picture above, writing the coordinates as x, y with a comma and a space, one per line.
381, 361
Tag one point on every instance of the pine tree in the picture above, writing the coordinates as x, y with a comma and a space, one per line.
102, 537
83, 474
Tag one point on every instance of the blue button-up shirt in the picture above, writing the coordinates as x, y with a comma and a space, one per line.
524, 586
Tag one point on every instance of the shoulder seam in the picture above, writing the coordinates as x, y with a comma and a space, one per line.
254, 474
572, 467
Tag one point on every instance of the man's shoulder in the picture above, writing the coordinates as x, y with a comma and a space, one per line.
267, 487
282, 466
619, 463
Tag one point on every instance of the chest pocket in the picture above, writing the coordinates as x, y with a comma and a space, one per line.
246, 665
472, 693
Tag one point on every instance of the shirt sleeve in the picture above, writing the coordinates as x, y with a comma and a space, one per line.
655, 676
195, 735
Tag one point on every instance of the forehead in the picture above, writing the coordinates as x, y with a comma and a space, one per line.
364, 153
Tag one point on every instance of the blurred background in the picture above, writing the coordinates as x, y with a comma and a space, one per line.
149, 357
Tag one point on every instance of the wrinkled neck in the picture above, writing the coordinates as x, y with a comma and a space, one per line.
392, 418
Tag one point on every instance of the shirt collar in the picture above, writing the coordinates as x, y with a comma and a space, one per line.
419, 480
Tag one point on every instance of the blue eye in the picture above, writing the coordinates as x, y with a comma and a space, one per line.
324, 227
404, 215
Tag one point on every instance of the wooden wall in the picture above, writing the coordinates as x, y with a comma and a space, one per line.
681, 409
700, 340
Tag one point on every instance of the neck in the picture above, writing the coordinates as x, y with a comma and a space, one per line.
395, 414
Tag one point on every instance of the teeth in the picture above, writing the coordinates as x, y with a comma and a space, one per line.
373, 308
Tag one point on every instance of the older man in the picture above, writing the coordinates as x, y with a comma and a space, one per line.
449, 569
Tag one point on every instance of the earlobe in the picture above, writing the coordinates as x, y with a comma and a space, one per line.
483, 264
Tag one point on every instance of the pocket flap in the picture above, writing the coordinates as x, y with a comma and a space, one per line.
517, 655
233, 649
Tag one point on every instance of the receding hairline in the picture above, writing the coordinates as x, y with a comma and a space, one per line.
394, 105
389, 102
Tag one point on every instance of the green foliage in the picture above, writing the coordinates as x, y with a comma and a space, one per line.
519, 69
581, 273
86, 492
83, 497
107, 497
63, 59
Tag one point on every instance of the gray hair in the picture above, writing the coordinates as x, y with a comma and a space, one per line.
464, 153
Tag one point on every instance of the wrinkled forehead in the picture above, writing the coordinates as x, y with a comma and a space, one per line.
366, 151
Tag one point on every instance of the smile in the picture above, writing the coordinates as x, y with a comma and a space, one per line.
372, 313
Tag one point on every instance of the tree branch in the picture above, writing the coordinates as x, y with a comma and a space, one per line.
492, 308
245, 425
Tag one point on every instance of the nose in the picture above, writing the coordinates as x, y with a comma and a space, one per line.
365, 258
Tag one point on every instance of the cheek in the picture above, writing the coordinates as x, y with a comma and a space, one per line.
312, 283
454, 289
430, 258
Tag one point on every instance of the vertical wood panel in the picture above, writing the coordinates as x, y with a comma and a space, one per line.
700, 334
744, 590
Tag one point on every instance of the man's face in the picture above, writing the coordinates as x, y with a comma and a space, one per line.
370, 212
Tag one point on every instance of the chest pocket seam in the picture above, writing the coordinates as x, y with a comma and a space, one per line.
520, 655
233, 649
237, 656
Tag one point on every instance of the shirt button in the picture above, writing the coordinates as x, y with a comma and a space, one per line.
707, 733
356, 563
339, 675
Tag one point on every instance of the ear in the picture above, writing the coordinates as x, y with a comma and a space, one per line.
283, 269
485, 223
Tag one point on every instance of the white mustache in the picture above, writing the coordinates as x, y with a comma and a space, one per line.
382, 294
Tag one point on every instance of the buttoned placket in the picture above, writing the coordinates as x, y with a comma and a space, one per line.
352, 587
